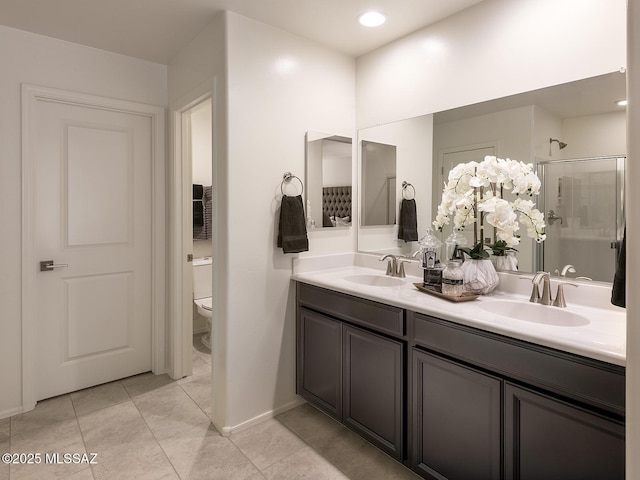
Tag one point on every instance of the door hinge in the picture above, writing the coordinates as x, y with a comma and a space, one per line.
189, 257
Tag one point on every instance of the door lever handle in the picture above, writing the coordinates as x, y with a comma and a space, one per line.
48, 265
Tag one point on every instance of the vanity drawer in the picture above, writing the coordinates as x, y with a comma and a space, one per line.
590, 381
384, 318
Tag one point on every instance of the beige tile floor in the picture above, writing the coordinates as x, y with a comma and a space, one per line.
150, 427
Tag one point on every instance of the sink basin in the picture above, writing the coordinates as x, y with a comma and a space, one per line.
534, 312
375, 280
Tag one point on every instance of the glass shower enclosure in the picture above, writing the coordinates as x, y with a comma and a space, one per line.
583, 201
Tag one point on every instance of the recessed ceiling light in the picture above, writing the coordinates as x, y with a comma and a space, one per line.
372, 19
622, 103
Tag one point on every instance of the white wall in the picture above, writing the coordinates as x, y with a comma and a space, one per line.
490, 50
336, 163
197, 70
280, 86
201, 144
594, 136
39, 60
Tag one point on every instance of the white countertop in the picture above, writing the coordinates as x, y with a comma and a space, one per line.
603, 338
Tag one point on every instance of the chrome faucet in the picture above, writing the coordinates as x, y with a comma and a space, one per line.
545, 299
395, 265
567, 269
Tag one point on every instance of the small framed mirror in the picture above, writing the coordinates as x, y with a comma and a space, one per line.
328, 184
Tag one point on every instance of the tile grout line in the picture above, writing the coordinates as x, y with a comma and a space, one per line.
315, 450
173, 467
86, 449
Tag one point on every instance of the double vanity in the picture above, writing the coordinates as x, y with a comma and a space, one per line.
492, 388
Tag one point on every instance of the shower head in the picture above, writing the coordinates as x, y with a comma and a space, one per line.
560, 144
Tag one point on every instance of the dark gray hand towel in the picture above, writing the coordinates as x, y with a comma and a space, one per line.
292, 227
618, 296
198, 213
198, 206
408, 225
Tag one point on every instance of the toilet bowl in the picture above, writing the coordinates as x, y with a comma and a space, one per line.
202, 292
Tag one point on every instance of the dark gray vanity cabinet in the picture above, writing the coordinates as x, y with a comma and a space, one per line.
373, 388
548, 438
351, 359
488, 406
456, 420
456, 402
320, 361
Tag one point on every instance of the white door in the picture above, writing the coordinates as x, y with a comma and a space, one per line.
93, 220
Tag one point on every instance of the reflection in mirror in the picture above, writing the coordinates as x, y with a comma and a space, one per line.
585, 221
328, 180
378, 184
583, 114
576, 120
412, 141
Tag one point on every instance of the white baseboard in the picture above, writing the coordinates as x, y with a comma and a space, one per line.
14, 411
226, 431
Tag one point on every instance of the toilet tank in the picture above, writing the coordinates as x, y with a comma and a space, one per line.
202, 277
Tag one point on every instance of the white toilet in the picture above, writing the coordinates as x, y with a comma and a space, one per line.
202, 292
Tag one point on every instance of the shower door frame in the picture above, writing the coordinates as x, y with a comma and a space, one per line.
620, 206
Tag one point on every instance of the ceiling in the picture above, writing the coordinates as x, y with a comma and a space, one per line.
157, 30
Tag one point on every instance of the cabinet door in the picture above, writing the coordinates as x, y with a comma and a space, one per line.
456, 420
550, 439
319, 366
374, 388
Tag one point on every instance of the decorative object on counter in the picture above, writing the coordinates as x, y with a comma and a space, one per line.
430, 246
474, 195
503, 256
479, 275
453, 279
454, 244
618, 294
408, 224
292, 228
465, 297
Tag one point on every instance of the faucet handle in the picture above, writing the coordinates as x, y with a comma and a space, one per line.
401, 262
391, 264
535, 292
560, 301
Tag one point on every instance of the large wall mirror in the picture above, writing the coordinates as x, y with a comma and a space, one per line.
574, 132
328, 180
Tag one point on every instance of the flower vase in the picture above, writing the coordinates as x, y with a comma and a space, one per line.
506, 263
479, 276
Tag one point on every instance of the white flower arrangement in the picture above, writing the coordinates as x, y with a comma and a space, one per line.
473, 195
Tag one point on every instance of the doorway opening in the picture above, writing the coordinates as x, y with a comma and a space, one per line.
193, 138
199, 199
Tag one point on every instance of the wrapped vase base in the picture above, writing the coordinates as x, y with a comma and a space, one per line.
479, 276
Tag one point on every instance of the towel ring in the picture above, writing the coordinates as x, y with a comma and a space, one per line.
287, 177
404, 188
